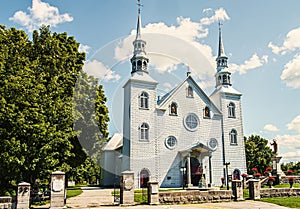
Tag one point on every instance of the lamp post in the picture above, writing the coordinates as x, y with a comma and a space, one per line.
226, 167
183, 169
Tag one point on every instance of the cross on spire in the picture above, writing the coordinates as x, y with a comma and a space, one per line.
220, 25
139, 6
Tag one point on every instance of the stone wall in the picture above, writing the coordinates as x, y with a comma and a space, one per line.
284, 179
279, 192
195, 196
7, 203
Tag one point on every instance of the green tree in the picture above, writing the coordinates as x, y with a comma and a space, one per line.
258, 154
37, 82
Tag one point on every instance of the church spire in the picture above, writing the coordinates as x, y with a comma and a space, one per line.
222, 58
221, 52
139, 60
138, 27
222, 75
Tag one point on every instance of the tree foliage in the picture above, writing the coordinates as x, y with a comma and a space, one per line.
258, 154
295, 166
37, 83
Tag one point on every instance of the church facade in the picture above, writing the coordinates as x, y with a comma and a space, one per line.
183, 138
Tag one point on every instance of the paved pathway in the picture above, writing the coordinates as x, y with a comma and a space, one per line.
96, 198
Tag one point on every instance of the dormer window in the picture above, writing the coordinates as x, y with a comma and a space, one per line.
189, 92
231, 110
173, 108
206, 112
144, 99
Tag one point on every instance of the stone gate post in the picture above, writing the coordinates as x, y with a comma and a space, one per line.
127, 188
153, 198
237, 189
23, 196
58, 191
254, 189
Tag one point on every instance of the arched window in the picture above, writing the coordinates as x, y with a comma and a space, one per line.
231, 110
144, 132
173, 108
233, 136
206, 112
189, 92
225, 79
139, 64
144, 99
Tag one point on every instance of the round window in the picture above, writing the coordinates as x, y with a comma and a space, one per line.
191, 122
171, 142
212, 144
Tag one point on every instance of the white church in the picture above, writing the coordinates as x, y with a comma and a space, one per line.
183, 138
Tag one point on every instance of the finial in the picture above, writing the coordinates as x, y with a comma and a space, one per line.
220, 25
139, 6
138, 28
188, 73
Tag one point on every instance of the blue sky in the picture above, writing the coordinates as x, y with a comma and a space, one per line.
261, 39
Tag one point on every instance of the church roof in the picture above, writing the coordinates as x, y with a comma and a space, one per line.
167, 96
114, 143
141, 77
198, 146
226, 89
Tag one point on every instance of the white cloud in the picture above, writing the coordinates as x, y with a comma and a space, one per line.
97, 69
84, 48
172, 45
254, 62
207, 10
270, 127
291, 43
294, 124
40, 13
292, 156
219, 15
288, 141
291, 73
167, 87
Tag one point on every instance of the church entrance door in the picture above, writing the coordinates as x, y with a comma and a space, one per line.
196, 171
144, 178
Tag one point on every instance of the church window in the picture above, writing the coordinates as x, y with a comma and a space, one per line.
212, 144
173, 108
206, 112
144, 65
139, 64
190, 91
233, 137
191, 122
171, 142
144, 132
144, 100
231, 110
224, 79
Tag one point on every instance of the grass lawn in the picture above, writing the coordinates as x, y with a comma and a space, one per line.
291, 202
73, 191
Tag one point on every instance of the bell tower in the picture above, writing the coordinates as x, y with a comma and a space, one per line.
222, 75
139, 60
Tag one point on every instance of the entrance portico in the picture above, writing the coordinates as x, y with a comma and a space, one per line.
197, 161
